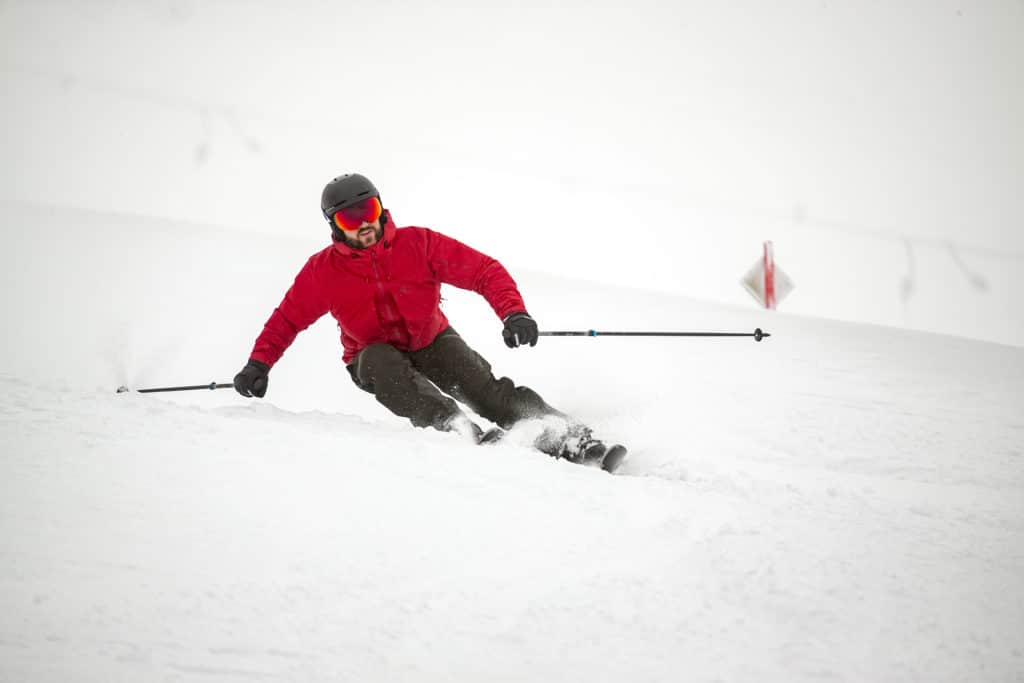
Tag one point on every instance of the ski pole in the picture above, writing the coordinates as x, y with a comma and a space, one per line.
757, 334
212, 385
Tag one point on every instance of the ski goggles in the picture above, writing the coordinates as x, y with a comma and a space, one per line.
351, 217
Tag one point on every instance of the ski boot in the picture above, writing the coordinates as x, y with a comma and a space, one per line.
580, 446
471, 431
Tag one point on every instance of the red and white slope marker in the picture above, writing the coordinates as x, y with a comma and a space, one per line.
766, 282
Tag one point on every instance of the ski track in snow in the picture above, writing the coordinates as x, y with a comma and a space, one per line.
839, 502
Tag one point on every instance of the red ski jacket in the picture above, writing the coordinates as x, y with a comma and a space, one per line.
390, 292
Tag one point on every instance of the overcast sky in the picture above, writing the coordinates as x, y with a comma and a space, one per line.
878, 144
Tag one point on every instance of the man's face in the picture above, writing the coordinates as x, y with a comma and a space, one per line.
366, 235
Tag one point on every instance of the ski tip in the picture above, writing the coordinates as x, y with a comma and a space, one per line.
123, 389
613, 458
492, 436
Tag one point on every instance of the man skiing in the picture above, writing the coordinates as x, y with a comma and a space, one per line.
382, 284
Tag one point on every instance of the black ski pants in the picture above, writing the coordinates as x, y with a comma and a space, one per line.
410, 384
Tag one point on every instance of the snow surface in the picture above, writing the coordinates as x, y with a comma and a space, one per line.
838, 502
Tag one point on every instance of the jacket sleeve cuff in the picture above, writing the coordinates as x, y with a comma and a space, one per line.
508, 315
260, 363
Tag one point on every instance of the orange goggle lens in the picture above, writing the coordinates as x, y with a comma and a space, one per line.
351, 217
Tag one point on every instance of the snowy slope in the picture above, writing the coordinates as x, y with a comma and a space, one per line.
839, 502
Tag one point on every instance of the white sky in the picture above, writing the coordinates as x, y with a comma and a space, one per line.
651, 143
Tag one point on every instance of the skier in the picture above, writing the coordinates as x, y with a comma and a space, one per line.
382, 284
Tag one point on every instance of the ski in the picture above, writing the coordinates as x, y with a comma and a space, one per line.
613, 458
608, 458
491, 436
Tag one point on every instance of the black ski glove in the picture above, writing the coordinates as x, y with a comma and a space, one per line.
252, 380
520, 328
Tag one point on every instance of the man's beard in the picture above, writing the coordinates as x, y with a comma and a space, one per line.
356, 244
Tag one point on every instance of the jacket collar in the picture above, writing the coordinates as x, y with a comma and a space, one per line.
384, 243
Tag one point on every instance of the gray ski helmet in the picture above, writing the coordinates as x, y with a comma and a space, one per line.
346, 190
